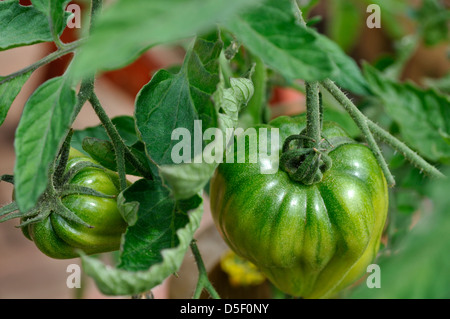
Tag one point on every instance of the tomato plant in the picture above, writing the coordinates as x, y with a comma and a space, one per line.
338, 190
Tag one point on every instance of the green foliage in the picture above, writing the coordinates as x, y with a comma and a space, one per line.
94, 141
281, 42
14, 18
8, 92
167, 241
237, 52
186, 94
48, 111
144, 24
433, 17
186, 179
421, 114
345, 23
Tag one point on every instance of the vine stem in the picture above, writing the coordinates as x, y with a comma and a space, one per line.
313, 129
401, 147
47, 59
361, 121
379, 132
203, 281
119, 145
95, 7
114, 136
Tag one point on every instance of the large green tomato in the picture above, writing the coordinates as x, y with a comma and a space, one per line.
60, 238
310, 241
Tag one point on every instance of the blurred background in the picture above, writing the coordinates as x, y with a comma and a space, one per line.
26, 273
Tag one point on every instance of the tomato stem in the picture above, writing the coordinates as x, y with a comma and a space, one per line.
361, 121
313, 129
49, 58
117, 141
203, 281
368, 127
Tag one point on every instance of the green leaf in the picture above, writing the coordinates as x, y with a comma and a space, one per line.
405, 48
433, 17
294, 51
154, 246
420, 114
346, 23
306, 6
343, 119
186, 179
441, 84
271, 32
20, 25
54, 10
175, 101
349, 75
159, 217
419, 268
8, 92
94, 141
253, 113
127, 28
45, 121
445, 136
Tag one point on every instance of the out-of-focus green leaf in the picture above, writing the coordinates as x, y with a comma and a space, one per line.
405, 48
126, 28
343, 119
345, 22
391, 12
292, 50
422, 115
271, 32
306, 6
433, 17
441, 84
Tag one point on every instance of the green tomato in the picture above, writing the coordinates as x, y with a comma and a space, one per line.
310, 241
60, 238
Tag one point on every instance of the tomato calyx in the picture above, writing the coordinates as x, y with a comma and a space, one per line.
50, 202
304, 159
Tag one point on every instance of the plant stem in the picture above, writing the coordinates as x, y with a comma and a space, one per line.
49, 58
203, 281
313, 112
95, 8
119, 145
361, 121
85, 92
401, 147
114, 136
